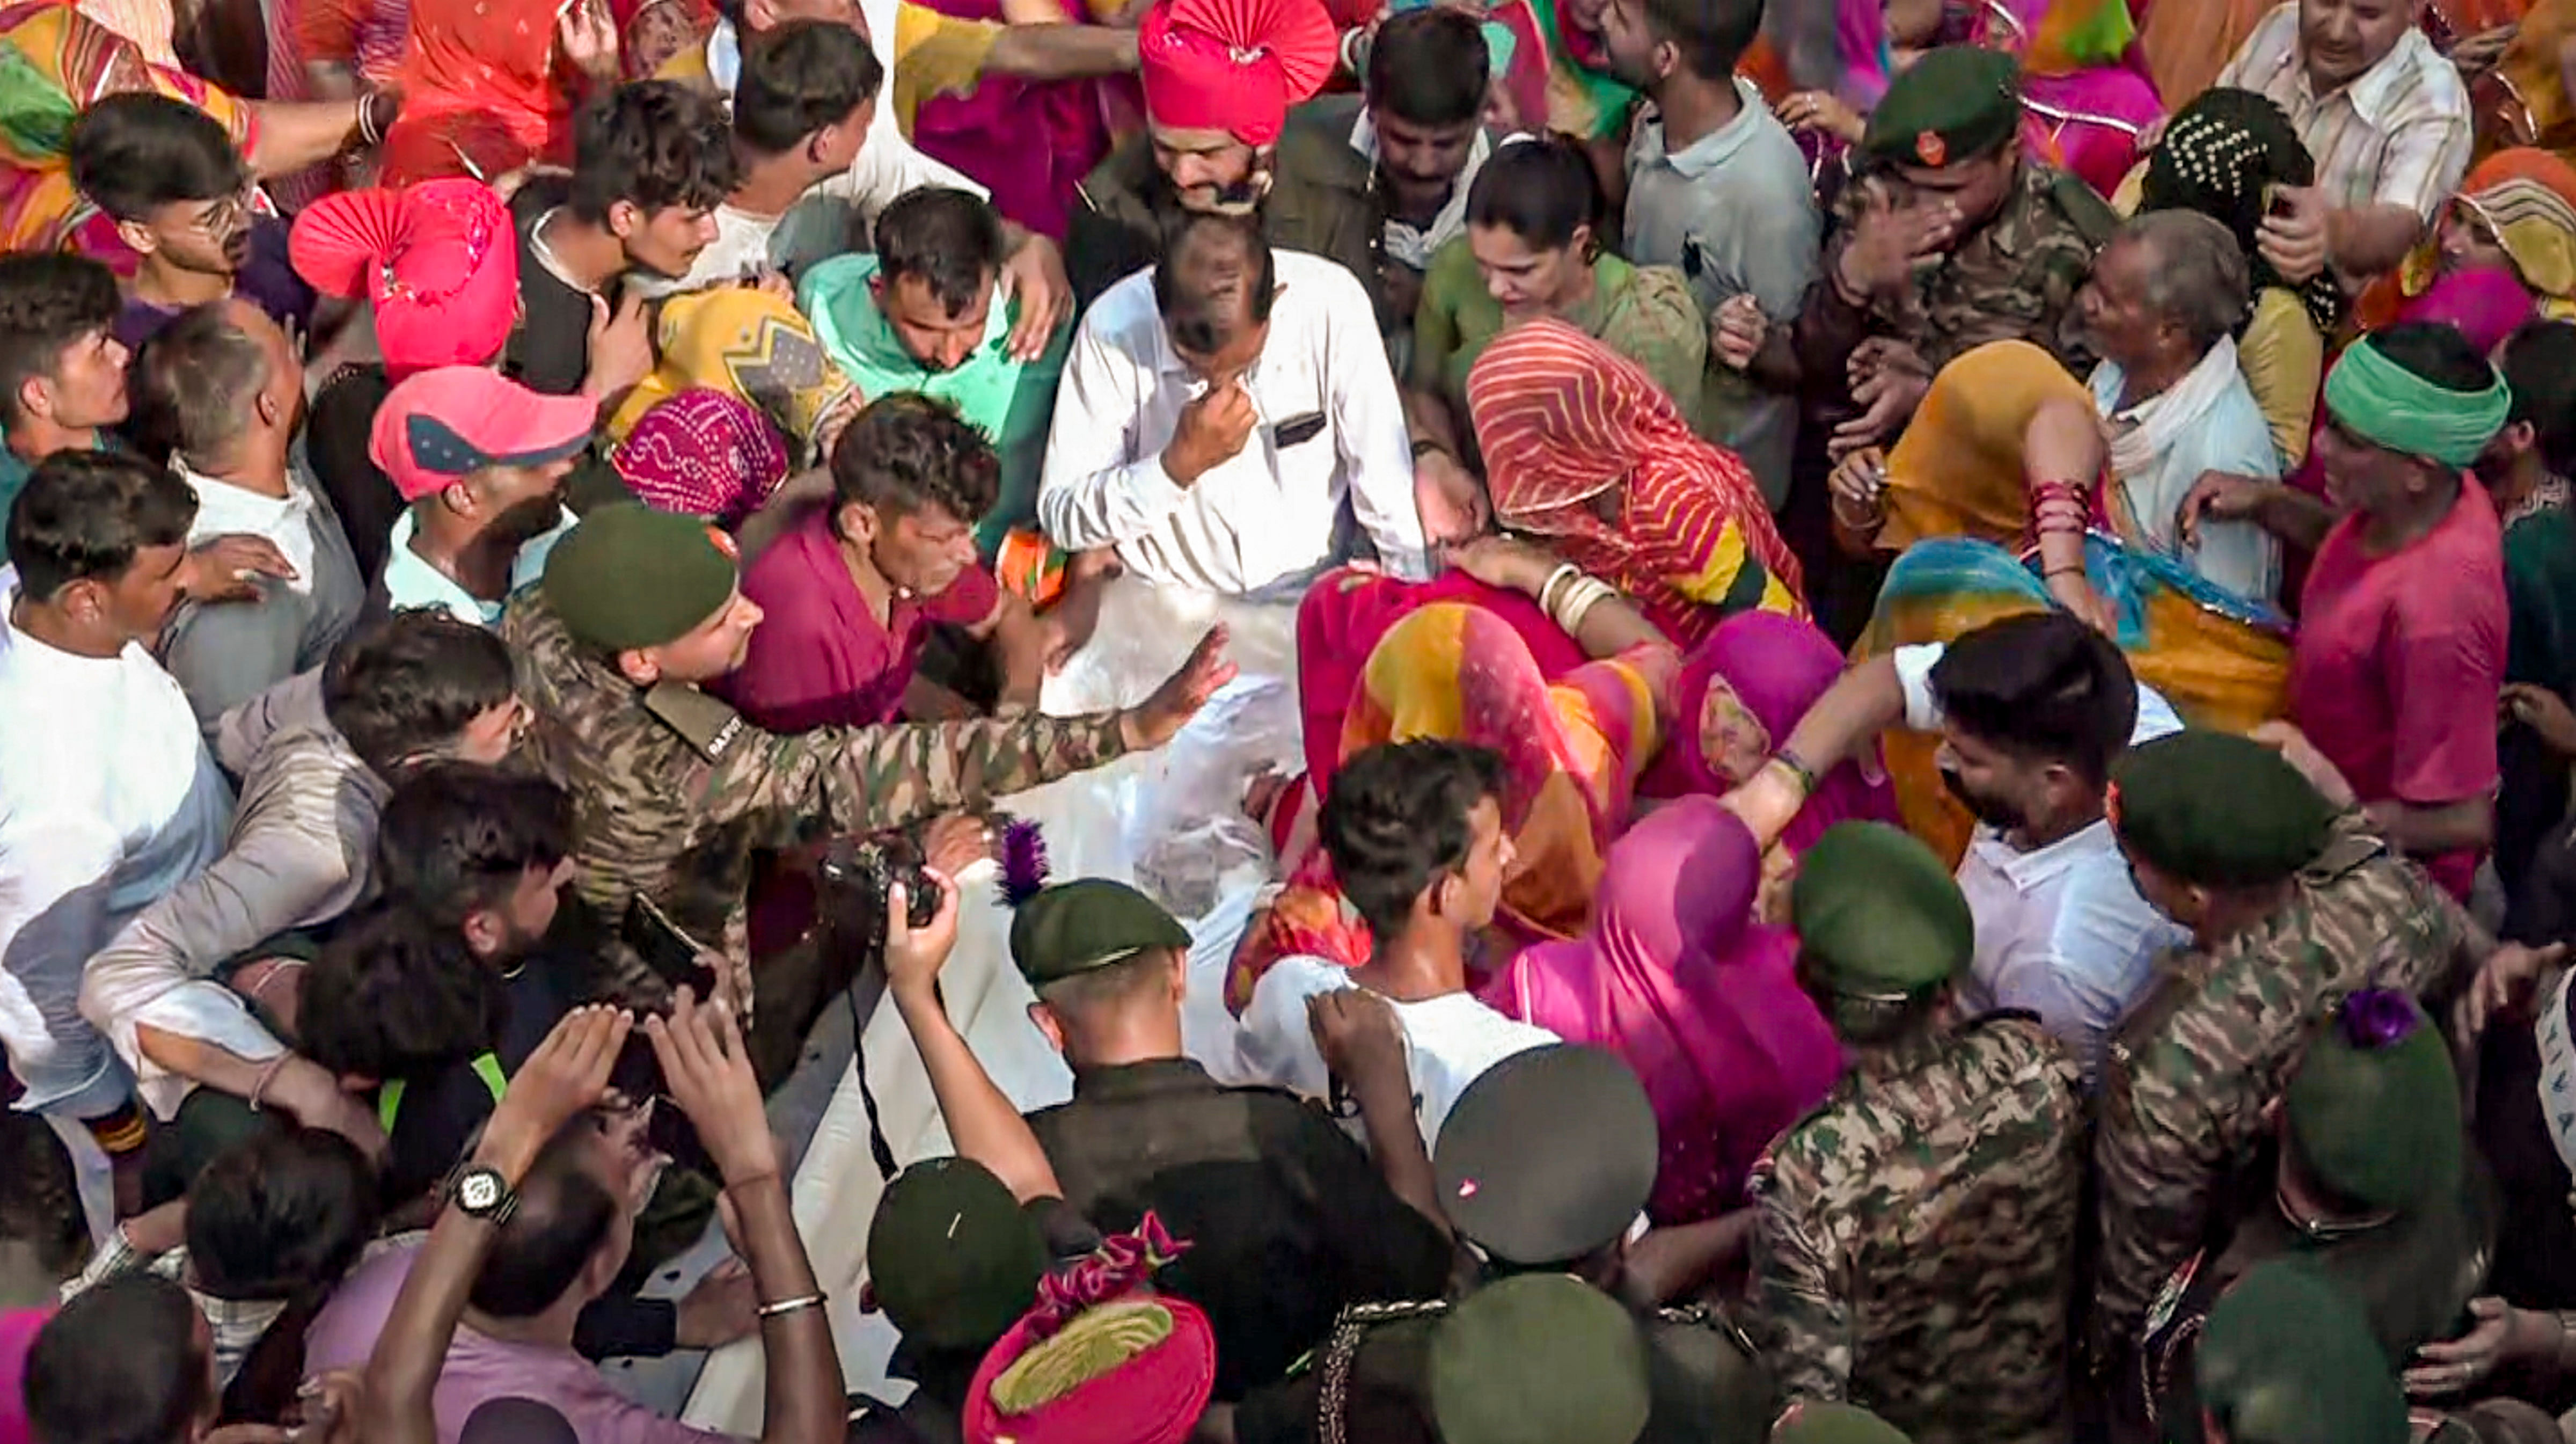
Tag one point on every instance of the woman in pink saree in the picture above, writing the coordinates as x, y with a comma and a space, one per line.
1676, 978
1740, 694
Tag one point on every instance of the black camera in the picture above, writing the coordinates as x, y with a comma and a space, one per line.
856, 874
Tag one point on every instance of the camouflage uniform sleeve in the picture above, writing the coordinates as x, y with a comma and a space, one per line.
858, 779
2158, 1166
1804, 1322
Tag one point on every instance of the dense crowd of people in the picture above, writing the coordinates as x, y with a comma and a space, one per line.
1935, 646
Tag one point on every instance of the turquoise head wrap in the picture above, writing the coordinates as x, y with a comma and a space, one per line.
2387, 405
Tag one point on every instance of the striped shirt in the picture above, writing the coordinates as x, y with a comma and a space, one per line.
2397, 136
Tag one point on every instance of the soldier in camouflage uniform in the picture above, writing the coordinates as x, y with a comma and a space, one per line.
2293, 903
1914, 1249
1950, 240
675, 793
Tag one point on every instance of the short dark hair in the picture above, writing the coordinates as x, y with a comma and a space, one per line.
48, 301
906, 451
2044, 687
1540, 190
1215, 278
2539, 363
83, 515
280, 1215
405, 687
120, 1365
193, 384
1395, 819
455, 838
394, 995
654, 144
2437, 352
1711, 34
564, 1215
799, 78
134, 152
951, 239
1430, 67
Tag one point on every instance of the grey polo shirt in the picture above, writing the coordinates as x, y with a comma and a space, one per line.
1734, 211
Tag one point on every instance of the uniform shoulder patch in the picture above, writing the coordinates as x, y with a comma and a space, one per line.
710, 726
2081, 204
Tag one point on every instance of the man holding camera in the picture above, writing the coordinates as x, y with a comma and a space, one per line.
678, 798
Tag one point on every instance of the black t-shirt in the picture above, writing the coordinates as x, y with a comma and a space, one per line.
550, 352
439, 1114
1287, 1219
336, 434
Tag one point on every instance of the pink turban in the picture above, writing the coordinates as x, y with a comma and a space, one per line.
438, 261
1233, 65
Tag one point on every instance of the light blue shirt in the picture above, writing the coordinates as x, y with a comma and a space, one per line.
411, 582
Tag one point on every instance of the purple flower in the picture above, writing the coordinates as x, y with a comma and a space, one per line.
1024, 861
2376, 1018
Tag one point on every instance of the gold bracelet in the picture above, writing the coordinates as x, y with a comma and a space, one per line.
784, 1307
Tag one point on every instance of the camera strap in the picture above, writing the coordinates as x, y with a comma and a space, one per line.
878, 1148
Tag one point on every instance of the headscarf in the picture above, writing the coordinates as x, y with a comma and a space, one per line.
1702, 1003
18, 1330
438, 262
745, 342
1233, 65
2383, 403
703, 452
2224, 155
1775, 667
1570, 750
2528, 198
1562, 419
2484, 304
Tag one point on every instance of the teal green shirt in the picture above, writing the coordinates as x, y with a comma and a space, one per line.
1008, 400
14, 471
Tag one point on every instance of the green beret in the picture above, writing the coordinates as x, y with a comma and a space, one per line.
1955, 103
1539, 1359
2287, 1359
1548, 1156
953, 1259
2375, 1106
1074, 927
1876, 911
2213, 809
629, 576
1809, 1423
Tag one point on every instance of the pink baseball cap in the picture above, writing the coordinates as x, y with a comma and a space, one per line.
439, 262
441, 425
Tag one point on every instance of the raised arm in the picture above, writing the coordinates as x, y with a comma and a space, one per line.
983, 1123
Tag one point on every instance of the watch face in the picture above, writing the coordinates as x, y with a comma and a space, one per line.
478, 1191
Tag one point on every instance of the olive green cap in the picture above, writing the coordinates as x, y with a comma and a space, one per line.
1807, 1423
2286, 1358
2375, 1105
2213, 809
1955, 103
1548, 1156
1876, 911
1074, 927
629, 576
953, 1259
1539, 1359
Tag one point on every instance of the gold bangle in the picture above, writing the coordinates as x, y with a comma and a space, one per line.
784, 1307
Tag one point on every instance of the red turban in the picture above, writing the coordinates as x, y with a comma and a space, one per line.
1233, 65
438, 261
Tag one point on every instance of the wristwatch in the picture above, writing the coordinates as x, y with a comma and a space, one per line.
482, 1193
